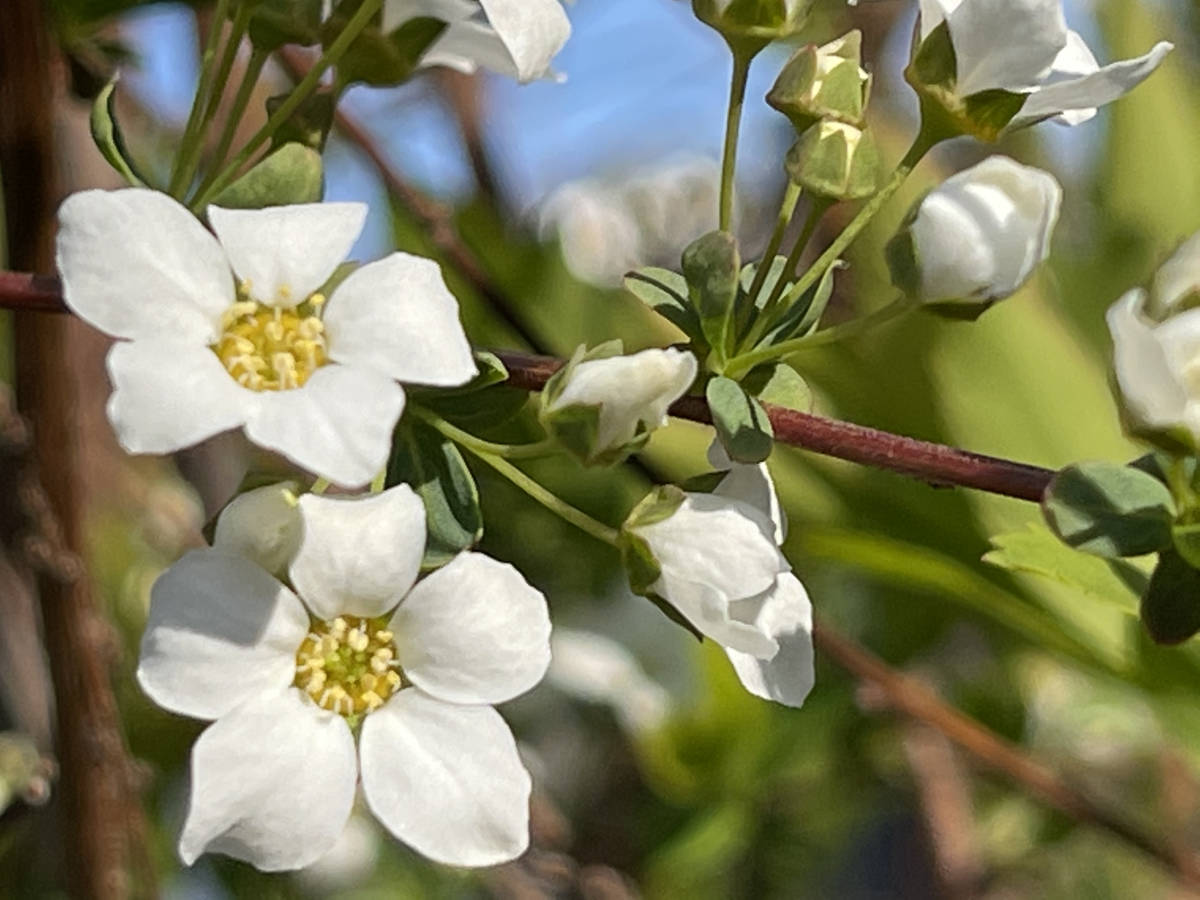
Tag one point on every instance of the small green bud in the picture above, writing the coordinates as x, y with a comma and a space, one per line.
826, 82
757, 21
835, 160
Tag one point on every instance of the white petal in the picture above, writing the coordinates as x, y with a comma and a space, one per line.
533, 31
285, 253
473, 632
933, 13
1179, 276
397, 12
1153, 394
446, 779
1090, 91
168, 395
220, 631
272, 784
263, 525
397, 317
750, 484
359, 556
785, 613
338, 426
597, 669
1007, 44
134, 263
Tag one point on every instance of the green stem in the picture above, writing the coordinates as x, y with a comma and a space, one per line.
787, 209
547, 447
747, 361
191, 131
733, 123
552, 502
299, 94
921, 145
254, 67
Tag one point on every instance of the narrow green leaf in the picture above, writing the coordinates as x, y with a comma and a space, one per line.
741, 423
666, 293
1109, 509
1171, 604
435, 469
107, 135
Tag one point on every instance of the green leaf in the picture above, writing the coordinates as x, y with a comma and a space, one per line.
435, 469
107, 135
1109, 509
666, 293
292, 174
741, 423
1037, 551
1185, 537
382, 59
1171, 604
711, 265
781, 385
278, 22
803, 316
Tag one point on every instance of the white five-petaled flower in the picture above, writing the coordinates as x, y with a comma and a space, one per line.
1156, 347
518, 38
229, 331
414, 666
980, 234
628, 392
722, 569
1025, 47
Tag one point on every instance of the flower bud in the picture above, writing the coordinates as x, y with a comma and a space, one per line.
835, 160
756, 20
978, 236
1156, 351
601, 407
826, 82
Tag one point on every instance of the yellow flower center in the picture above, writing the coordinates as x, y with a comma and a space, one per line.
348, 666
266, 348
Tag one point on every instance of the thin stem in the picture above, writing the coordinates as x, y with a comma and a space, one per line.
921, 145
299, 94
733, 123
254, 67
787, 209
551, 501
547, 447
747, 361
191, 131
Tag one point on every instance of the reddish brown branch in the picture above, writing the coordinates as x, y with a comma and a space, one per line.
914, 699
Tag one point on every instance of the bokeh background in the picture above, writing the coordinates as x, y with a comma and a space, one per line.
656, 774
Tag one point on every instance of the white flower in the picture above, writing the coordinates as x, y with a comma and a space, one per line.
599, 670
518, 38
980, 234
722, 569
1025, 47
628, 392
1157, 361
413, 668
228, 331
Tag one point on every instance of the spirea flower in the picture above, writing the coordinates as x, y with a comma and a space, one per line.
518, 38
719, 565
1024, 47
355, 647
1156, 349
230, 331
604, 408
979, 235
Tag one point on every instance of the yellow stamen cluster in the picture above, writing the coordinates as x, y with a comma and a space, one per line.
348, 666
272, 349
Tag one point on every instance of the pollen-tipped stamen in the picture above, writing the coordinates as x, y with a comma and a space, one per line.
348, 665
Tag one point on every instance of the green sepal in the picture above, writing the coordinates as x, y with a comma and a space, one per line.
711, 265
379, 59
657, 506
704, 483
740, 421
641, 566
292, 174
753, 22
107, 135
803, 316
275, 23
309, 124
805, 96
779, 384
434, 468
666, 293
836, 161
1109, 510
1170, 608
